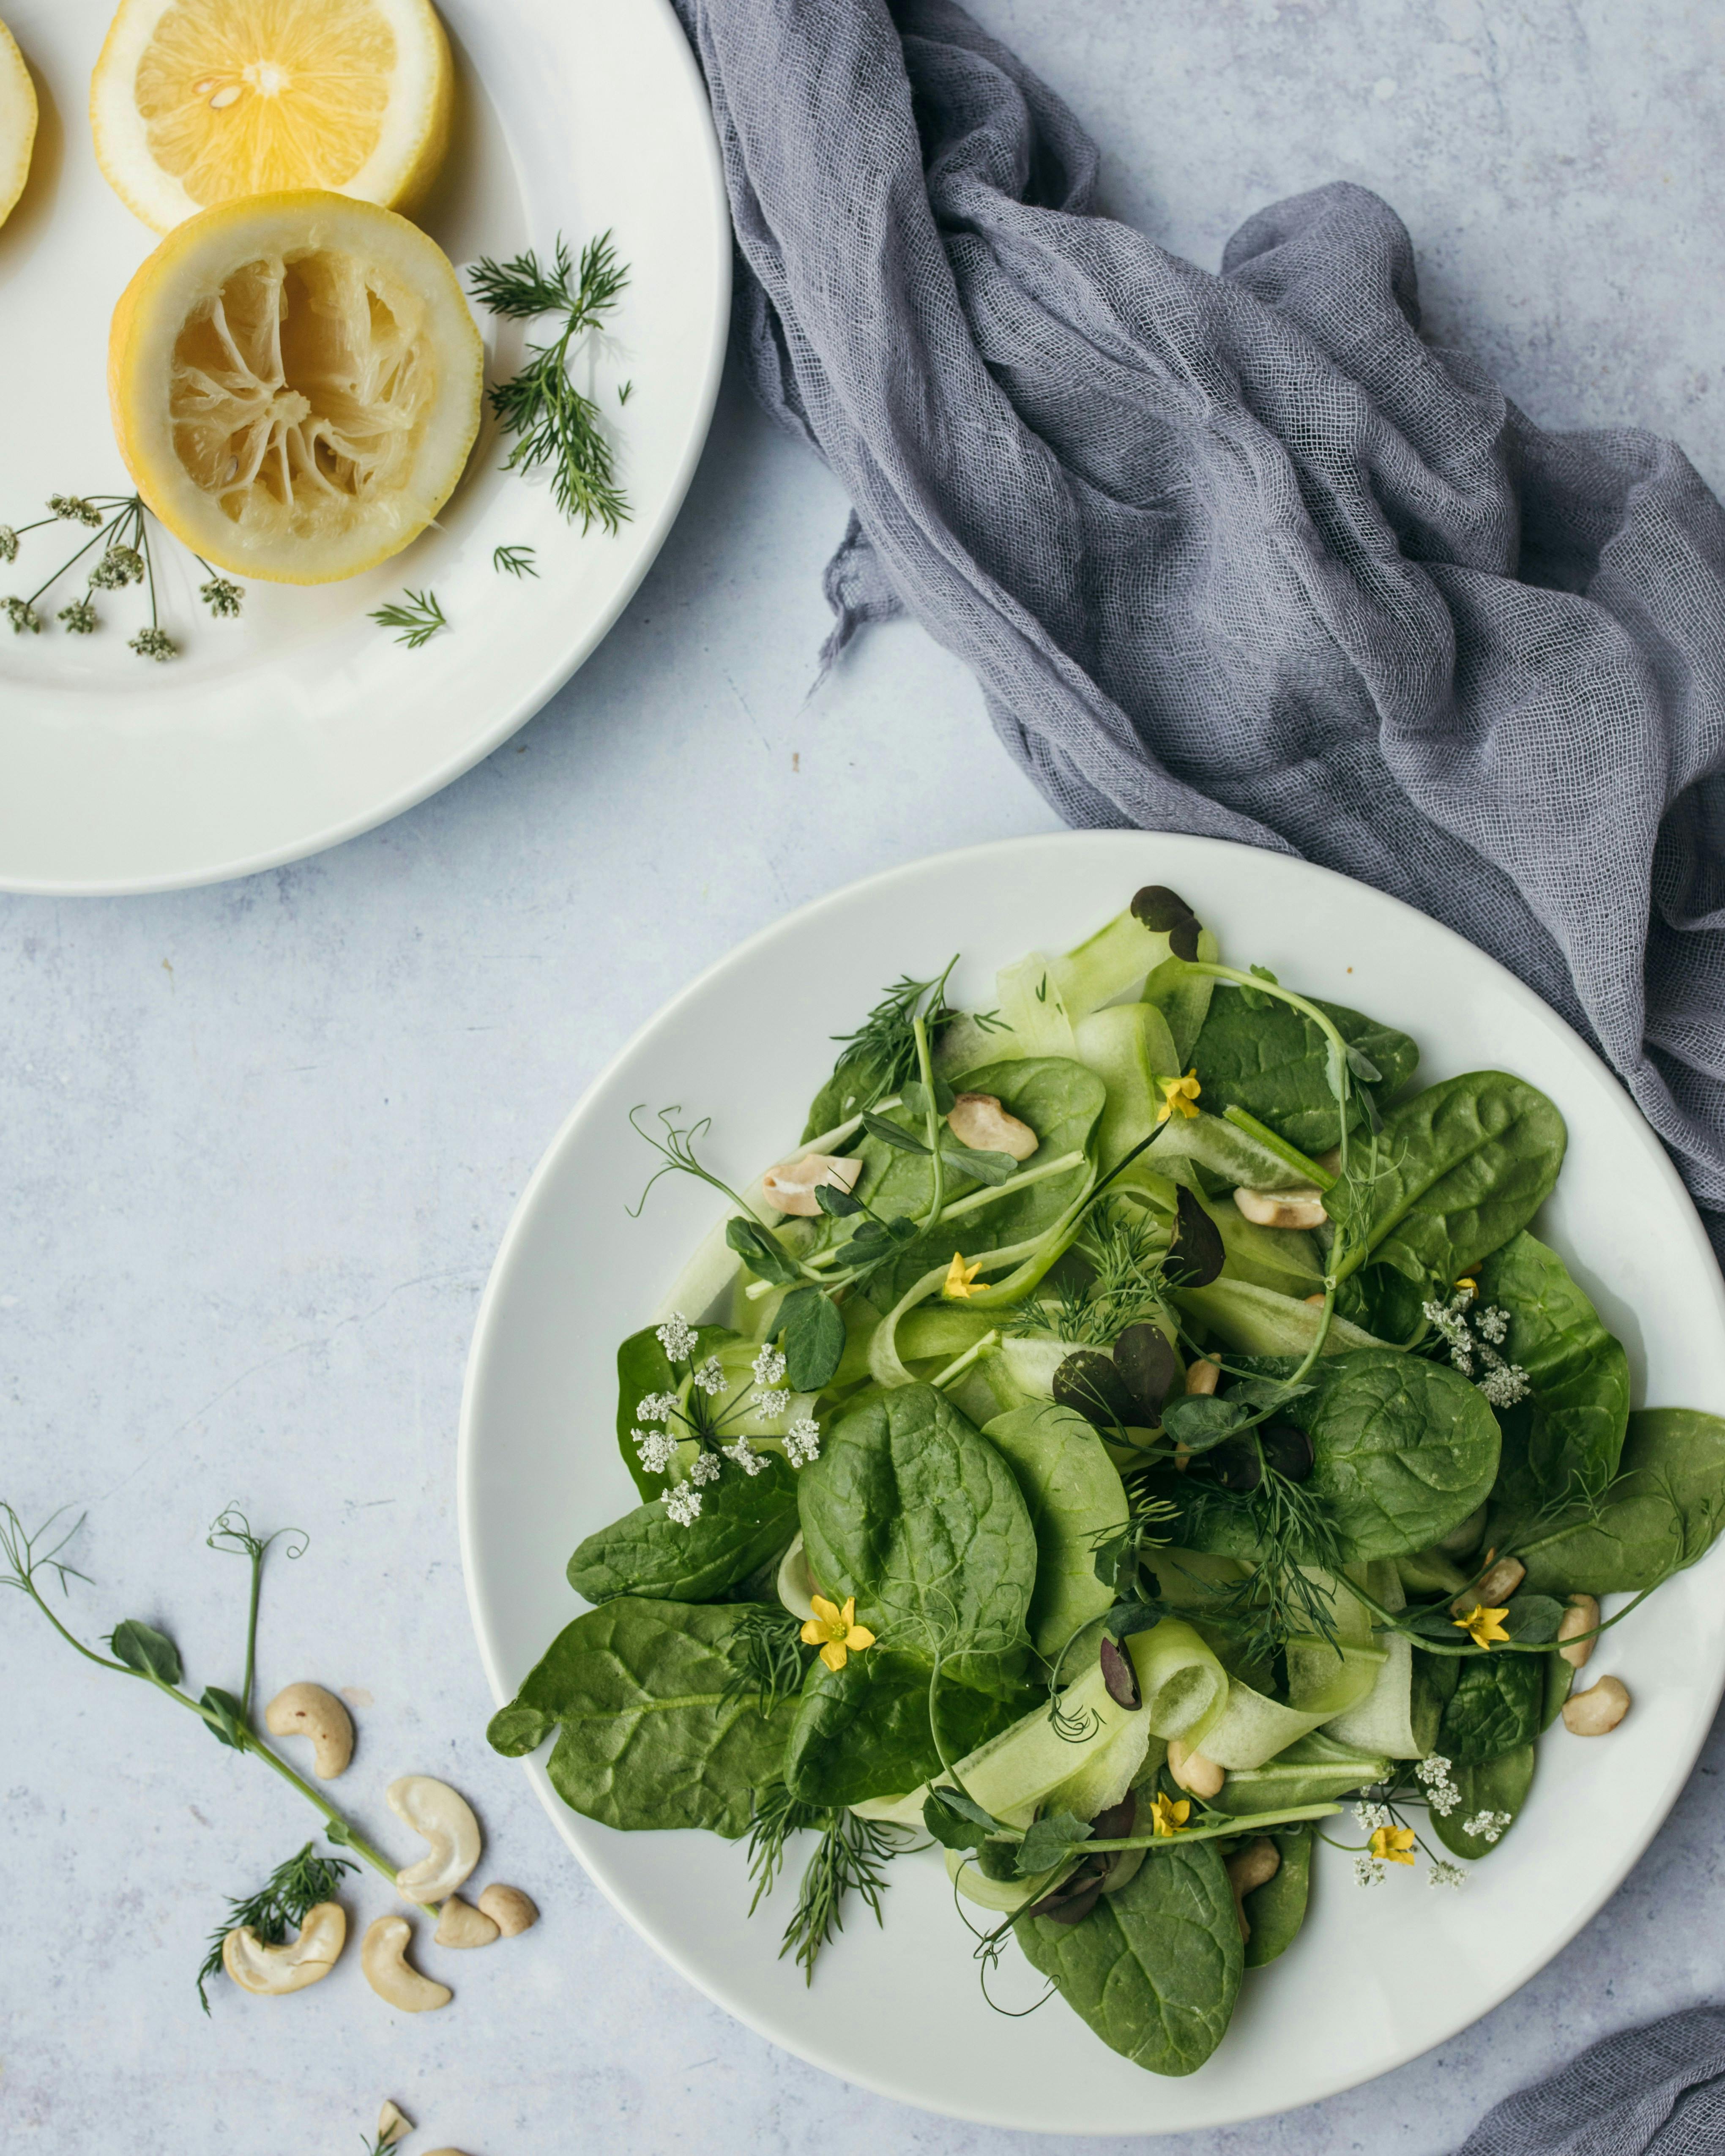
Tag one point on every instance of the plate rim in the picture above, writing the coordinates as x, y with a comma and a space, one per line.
532, 700
1659, 1162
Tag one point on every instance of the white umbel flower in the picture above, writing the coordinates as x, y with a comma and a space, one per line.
802, 1442
676, 1336
683, 1506
704, 1467
1445, 1875
747, 1458
658, 1448
768, 1366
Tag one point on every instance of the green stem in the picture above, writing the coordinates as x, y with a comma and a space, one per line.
1321, 1178
1249, 1824
925, 1069
973, 1353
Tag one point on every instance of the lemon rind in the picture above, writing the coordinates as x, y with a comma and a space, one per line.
19, 93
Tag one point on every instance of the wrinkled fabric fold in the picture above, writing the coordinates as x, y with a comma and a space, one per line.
1654, 2092
1241, 555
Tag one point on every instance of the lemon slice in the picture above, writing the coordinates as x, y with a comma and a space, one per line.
195, 102
18, 122
295, 384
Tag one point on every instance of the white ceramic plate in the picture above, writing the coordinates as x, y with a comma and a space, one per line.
1375, 1978
303, 722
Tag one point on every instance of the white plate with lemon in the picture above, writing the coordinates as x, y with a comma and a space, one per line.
240, 251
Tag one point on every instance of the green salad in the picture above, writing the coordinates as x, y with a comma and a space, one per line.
1135, 1420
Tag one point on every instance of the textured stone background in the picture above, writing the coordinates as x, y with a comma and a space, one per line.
260, 1142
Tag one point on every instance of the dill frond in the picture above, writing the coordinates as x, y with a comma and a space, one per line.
416, 615
850, 1857
278, 1907
768, 1659
554, 424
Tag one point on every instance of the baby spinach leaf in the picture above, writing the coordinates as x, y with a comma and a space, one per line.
1402, 1449
1485, 1785
1457, 1171
1072, 1491
653, 1730
1261, 1054
1277, 1910
814, 1339
744, 1520
1664, 1511
1495, 1707
1578, 1407
642, 1367
911, 1509
1060, 1100
1155, 1968
863, 1732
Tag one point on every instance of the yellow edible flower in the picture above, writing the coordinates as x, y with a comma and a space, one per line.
835, 1631
1394, 1845
1179, 1095
1483, 1627
1167, 1817
961, 1278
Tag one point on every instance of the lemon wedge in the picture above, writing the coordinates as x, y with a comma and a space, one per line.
195, 102
18, 122
295, 384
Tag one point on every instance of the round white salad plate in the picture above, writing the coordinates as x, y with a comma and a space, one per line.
304, 722
1375, 1978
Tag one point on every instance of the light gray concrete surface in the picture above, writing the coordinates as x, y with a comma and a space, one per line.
260, 1142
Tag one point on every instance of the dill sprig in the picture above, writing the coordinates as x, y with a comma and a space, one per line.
1125, 1250
880, 1057
1292, 1530
555, 425
768, 1659
278, 1907
850, 1857
513, 561
416, 614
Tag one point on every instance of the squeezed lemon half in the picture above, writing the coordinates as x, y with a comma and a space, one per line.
195, 102
295, 382
18, 122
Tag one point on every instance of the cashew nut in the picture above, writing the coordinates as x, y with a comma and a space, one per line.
978, 1121
1495, 1586
307, 1710
1253, 1866
272, 1971
1599, 1709
1303, 1208
1203, 1376
461, 1926
1582, 1615
445, 1819
790, 1187
393, 2125
1330, 1162
1202, 1777
509, 1909
383, 1957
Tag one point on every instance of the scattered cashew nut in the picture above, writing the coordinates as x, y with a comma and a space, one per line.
445, 1819
1599, 1709
1494, 1589
978, 1121
509, 1910
790, 1187
1303, 1208
272, 1971
307, 1710
393, 2125
1202, 1777
1203, 1376
383, 1957
1582, 1615
1254, 1866
460, 1925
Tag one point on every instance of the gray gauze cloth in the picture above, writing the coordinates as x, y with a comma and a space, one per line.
1240, 554
1657, 2091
